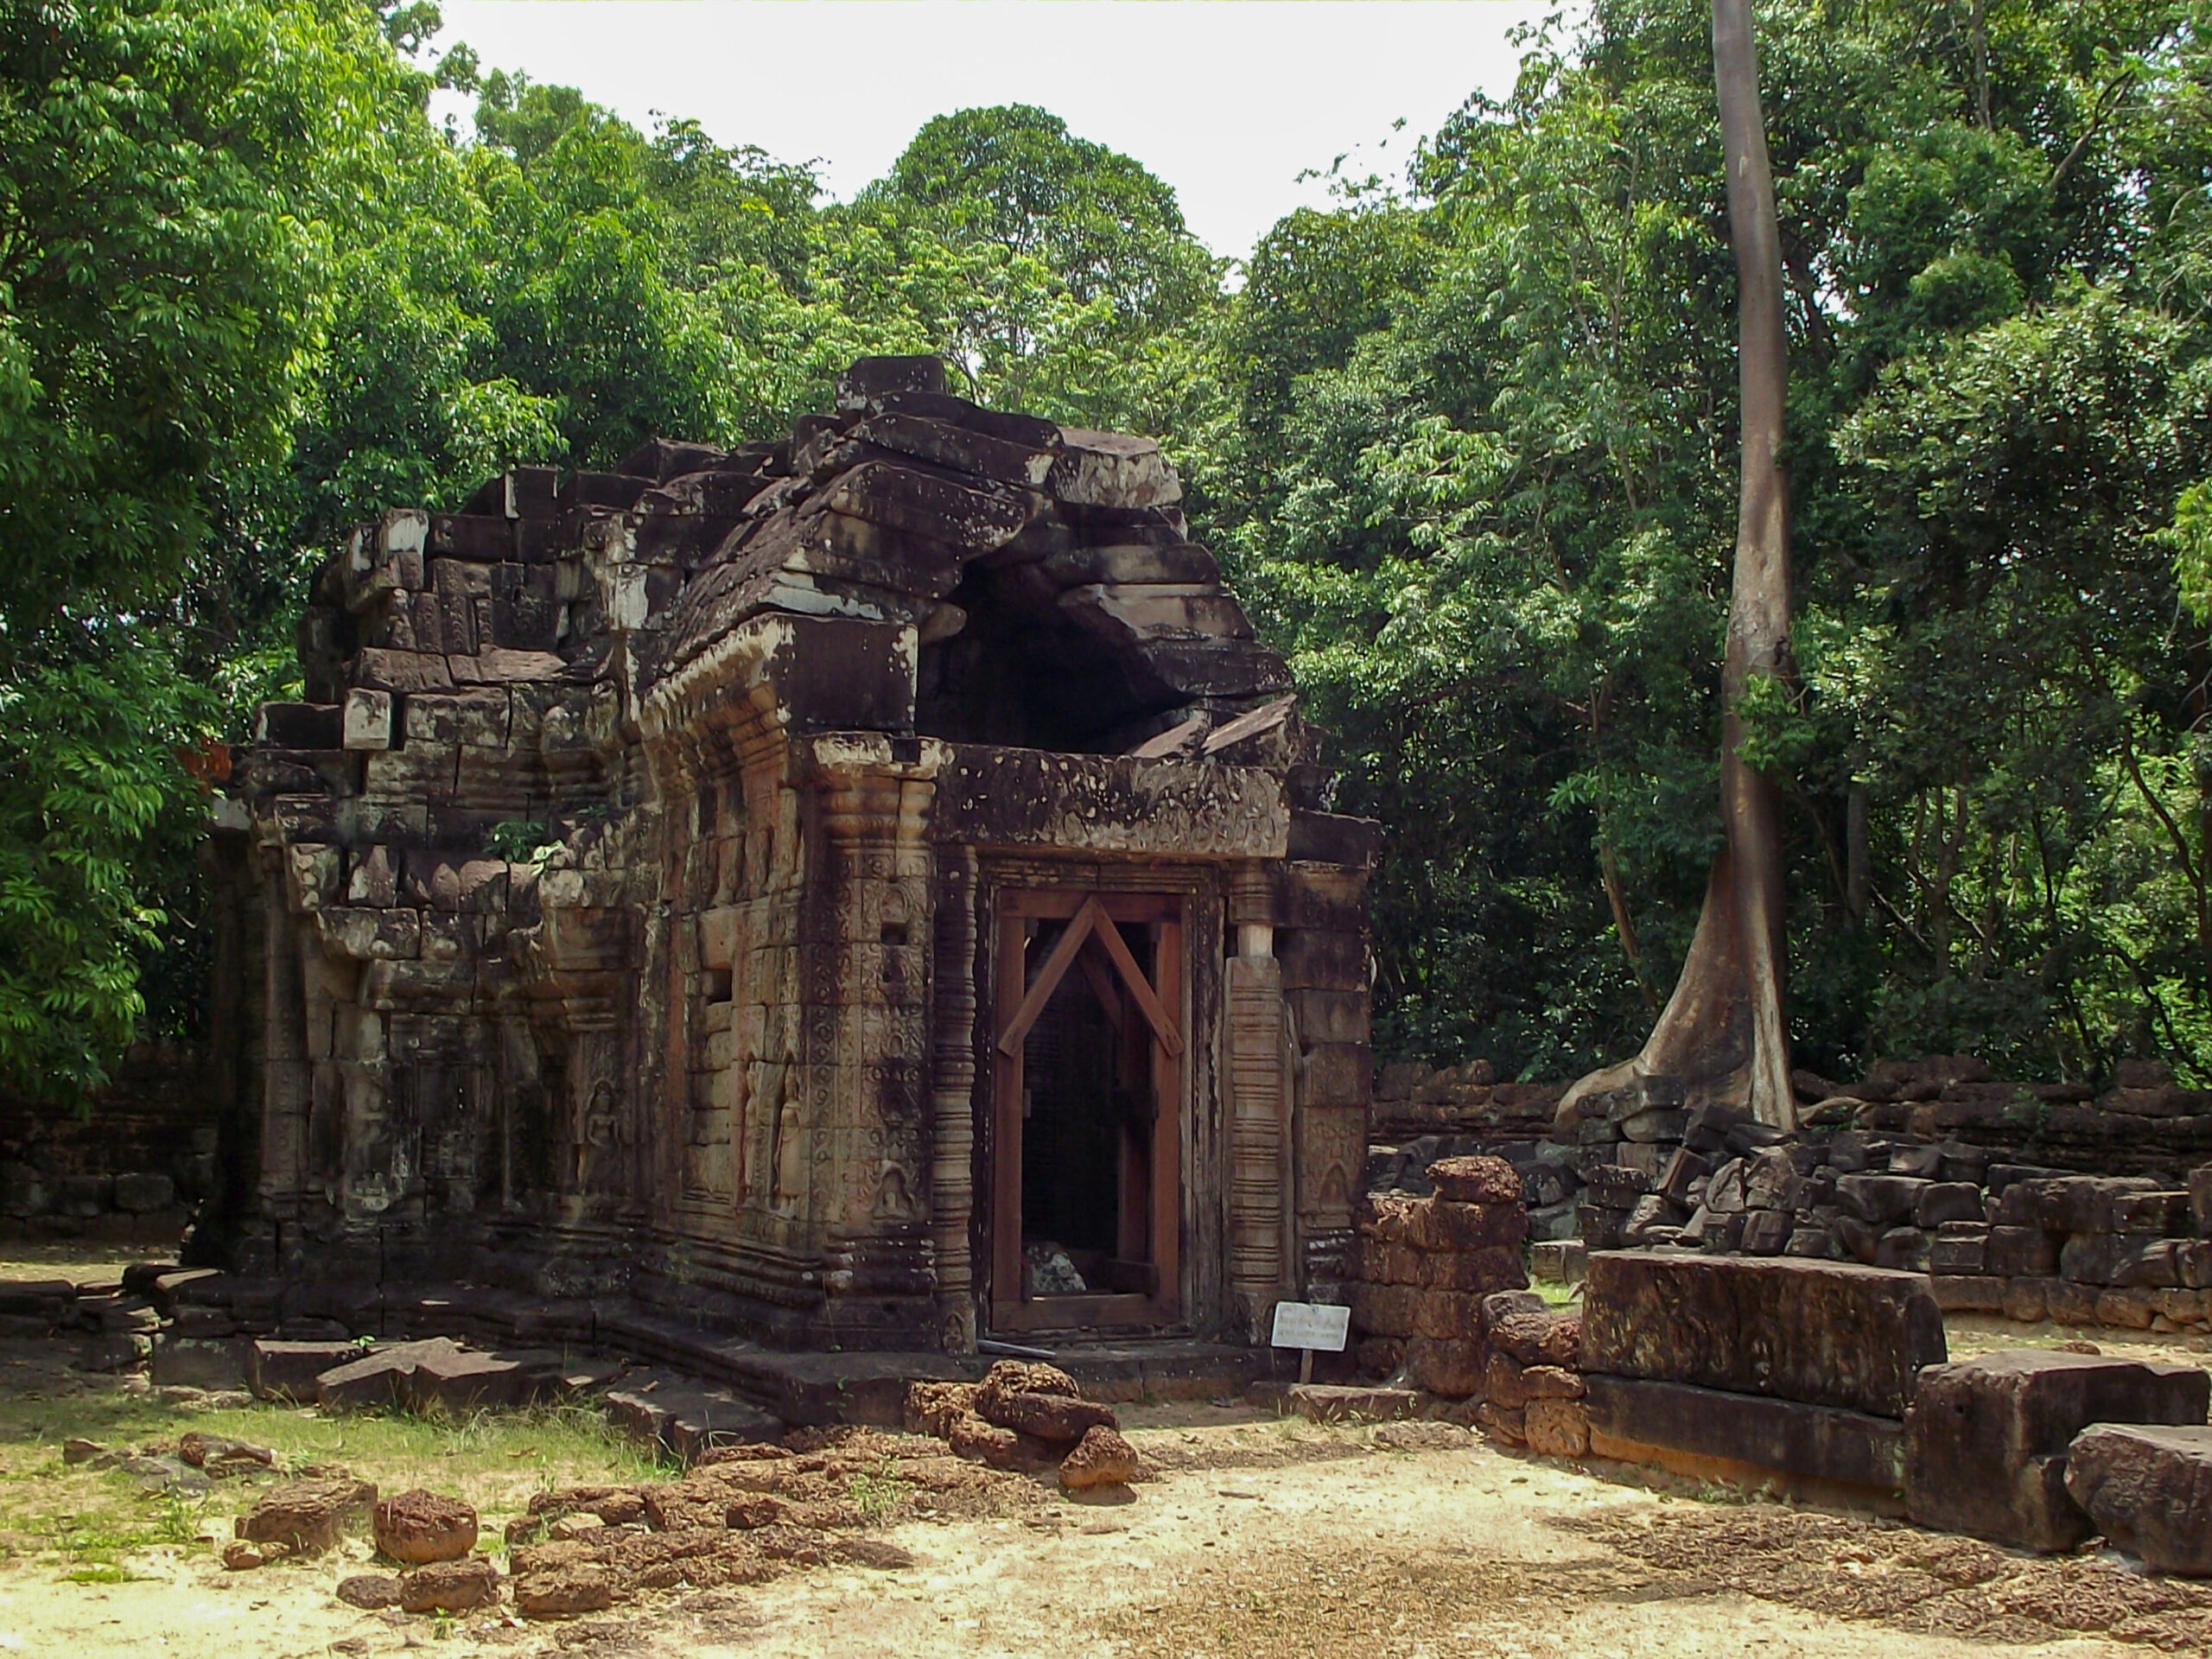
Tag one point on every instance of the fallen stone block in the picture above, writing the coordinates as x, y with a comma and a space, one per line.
1986, 1438
1481, 1180
565, 1591
449, 1587
419, 1527
380, 1378
686, 1418
1824, 1332
1328, 1403
462, 1382
1630, 1417
199, 1362
288, 1370
306, 1515
1102, 1457
2148, 1491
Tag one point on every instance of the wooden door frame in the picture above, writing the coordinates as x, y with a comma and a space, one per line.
1018, 907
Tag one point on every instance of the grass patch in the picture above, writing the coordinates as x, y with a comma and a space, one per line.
96, 1518
877, 1493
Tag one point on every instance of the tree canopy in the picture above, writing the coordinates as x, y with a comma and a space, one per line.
1465, 444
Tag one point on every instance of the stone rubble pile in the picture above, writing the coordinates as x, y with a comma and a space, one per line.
2029, 1241
1442, 1302
1027, 1415
1990, 1444
1616, 1176
743, 1514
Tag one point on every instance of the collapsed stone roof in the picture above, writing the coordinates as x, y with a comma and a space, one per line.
1056, 598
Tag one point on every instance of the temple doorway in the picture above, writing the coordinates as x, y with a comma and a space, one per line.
1088, 1062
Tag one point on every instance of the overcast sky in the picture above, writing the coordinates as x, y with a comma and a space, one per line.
1227, 100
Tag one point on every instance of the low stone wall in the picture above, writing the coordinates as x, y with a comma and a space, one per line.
1909, 1167
130, 1172
2024, 1240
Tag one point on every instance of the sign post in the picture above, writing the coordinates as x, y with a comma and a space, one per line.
1310, 1325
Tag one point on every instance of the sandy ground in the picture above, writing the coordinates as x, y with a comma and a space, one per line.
1271, 1539
1259, 1536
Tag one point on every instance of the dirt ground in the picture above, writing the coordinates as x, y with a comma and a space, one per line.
1259, 1536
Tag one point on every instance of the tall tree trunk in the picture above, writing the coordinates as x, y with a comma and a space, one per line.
1721, 1036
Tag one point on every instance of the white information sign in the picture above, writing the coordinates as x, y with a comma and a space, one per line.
1312, 1324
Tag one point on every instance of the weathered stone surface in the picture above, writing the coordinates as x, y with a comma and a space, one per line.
1556, 1428
307, 1516
932, 1407
987, 1442
1107, 469
1538, 1339
1826, 1333
1476, 1180
1815, 1442
2148, 1491
449, 1586
288, 1370
380, 1378
1102, 1457
1059, 1417
419, 1527
369, 1590
1987, 1437
564, 1592
1326, 1402
1449, 1366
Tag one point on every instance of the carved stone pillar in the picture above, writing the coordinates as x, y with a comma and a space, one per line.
952, 1098
1257, 1052
864, 933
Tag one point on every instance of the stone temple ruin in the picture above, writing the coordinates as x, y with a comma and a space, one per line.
864, 890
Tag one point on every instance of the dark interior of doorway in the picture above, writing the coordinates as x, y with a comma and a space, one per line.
1088, 1113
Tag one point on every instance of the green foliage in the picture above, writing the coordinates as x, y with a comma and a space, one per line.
1467, 451
1491, 518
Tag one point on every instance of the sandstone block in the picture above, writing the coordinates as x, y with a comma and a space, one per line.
1538, 1339
2148, 1491
1556, 1428
288, 1370
1948, 1201
1627, 1415
1325, 1402
367, 1590
1386, 1310
2019, 1252
1826, 1333
1503, 1383
419, 1527
565, 1591
1986, 1439
1880, 1200
1449, 1366
1102, 1457
379, 1378
2200, 1199
1061, 1418
307, 1516
1476, 1180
